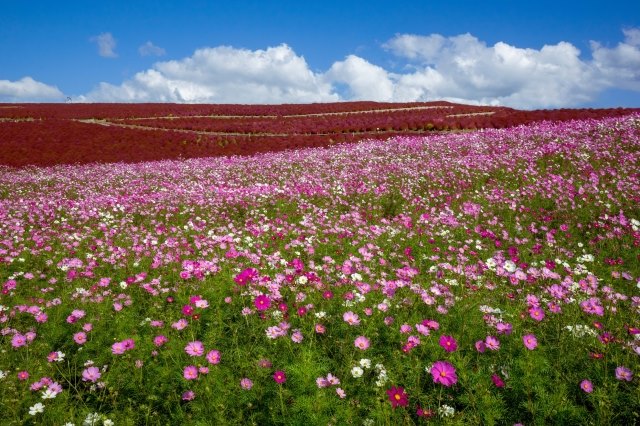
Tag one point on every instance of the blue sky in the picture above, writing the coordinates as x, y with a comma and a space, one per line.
542, 54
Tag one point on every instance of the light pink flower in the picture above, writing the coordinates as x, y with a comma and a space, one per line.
190, 372
362, 343
91, 374
80, 338
195, 348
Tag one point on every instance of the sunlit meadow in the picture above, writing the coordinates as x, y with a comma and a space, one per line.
474, 278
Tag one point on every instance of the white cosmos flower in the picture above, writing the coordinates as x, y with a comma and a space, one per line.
357, 372
38, 407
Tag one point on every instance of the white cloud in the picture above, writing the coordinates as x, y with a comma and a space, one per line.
150, 49
223, 75
459, 68
106, 45
364, 80
28, 90
620, 66
465, 68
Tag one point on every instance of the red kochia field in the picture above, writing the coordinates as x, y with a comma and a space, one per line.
49, 134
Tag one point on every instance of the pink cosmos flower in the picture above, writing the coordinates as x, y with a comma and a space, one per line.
351, 318
195, 348
341, 393
332, 380
586, 386
80, 338
362, 343
320, 329
91, 374
480, 346
262, 302
444, 373
398, 397
492, 343
246, 383
536, 313
160, 340
279, 377
448, 343
405, 328
321, 382
118, 348
530, 341
297, 336
23, 375
180, 324
623, 373
188, 395
190, 372
213, 357
18, 340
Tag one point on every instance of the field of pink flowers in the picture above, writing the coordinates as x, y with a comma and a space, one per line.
477, 278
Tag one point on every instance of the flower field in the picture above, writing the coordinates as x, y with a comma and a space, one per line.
486, 277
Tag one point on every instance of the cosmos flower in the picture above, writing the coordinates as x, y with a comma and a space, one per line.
195, 348
279, 377
586, 386
398, 397
530, 341
362, 343
444, 373
448, 343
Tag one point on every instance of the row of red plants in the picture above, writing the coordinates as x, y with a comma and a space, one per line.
112, 110
50, 139
399, 119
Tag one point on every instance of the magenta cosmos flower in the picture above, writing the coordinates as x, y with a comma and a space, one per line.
246, 383
586, 386
279, 377
91, 374
194, 348
530, 341
362, 343
262, 302
448, 343
444, 373
398, 397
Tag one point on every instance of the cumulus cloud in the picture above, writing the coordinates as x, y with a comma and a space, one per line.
223, 75
106, 45
28, 90
620, 66
150, 49
458, 68
465, 68
364, 80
